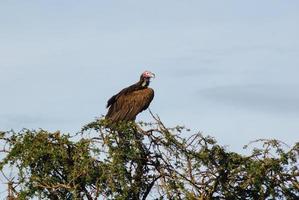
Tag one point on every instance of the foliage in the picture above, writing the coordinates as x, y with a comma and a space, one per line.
144, 161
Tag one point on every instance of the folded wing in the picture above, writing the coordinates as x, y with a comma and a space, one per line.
126, 106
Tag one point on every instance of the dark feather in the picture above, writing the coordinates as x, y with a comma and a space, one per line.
122, 92
128, 103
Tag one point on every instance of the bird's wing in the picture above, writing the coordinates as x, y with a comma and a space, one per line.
127, 106
124, 91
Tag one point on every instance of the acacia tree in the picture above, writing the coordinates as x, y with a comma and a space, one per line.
144, 161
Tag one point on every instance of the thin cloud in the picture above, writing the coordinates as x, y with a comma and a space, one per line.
19, 121
278, 99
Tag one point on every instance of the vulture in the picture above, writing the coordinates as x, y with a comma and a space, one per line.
130, 101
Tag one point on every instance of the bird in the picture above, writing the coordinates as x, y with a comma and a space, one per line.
130, 101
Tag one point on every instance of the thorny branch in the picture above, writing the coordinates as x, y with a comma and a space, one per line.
138, 160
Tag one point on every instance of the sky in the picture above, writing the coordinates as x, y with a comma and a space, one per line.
228, 69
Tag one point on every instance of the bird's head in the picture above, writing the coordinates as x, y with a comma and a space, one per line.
146, 77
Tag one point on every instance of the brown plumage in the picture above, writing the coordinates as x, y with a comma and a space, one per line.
129, 102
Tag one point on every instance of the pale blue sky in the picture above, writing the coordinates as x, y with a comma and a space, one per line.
226, 68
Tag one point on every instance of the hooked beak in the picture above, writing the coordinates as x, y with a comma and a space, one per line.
153, 75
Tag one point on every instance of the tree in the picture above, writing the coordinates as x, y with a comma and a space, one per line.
144, 161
